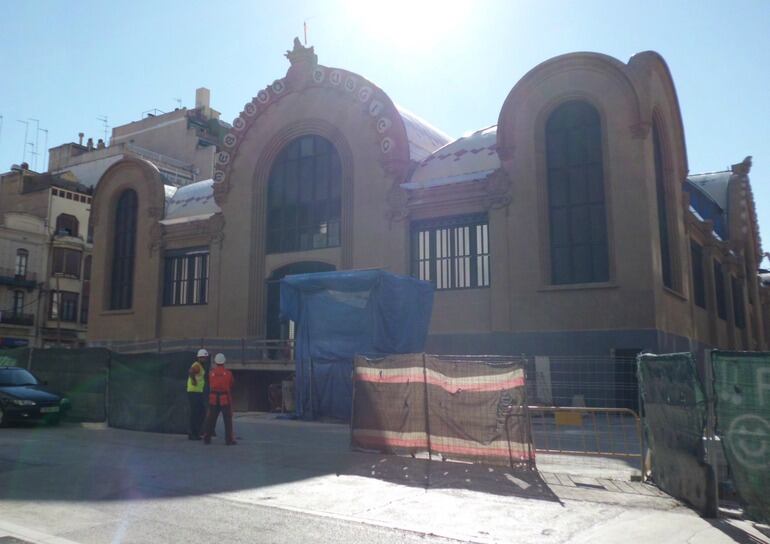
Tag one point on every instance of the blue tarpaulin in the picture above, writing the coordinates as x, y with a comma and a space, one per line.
340, 314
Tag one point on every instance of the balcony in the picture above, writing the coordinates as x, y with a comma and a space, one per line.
8, 276
23, 320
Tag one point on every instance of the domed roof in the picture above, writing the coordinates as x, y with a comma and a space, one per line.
191, 202
423, 138
469, 158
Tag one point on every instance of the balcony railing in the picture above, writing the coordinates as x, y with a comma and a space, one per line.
25, 320
8, 276
255, 353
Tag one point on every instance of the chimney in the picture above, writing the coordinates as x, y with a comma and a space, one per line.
202, 98
90, 144
100, 144
80, 138
25, 166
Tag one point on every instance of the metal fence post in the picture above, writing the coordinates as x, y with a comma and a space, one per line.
641, 420
711, 435
427, 422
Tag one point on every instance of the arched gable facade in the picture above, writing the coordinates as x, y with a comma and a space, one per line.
142, 177
629, 98
369, 135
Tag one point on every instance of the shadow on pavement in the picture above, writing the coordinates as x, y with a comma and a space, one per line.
75, 463
436, 474
736, 533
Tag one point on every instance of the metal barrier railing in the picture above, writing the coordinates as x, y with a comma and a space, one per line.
608, 432
241, 351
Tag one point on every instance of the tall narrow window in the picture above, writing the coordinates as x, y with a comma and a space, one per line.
186, 277
576, 205
304, 197
124, 247
87, 268
18, 303
660, 190
84, 300
22, 258
719, 287
698, 285
738, 307
452, 253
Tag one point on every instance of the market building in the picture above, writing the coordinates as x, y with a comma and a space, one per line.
569, 226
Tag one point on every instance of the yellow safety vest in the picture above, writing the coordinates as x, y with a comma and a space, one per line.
200, 380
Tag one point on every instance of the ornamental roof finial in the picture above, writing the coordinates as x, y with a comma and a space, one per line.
301, 54
742, 168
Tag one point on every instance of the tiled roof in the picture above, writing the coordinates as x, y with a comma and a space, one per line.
469, 158
190, 202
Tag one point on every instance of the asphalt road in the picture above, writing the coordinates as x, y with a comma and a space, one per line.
289, 481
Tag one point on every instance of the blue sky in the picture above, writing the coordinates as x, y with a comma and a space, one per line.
451, 62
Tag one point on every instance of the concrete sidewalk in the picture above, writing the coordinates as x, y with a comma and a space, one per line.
288, 481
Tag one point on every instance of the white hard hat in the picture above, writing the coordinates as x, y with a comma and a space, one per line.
219, 358
203, 353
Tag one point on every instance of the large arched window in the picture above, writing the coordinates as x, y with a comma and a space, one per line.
124, 247
576, 208
660, 190
304, 203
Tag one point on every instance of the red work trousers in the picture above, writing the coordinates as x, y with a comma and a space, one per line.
211, 422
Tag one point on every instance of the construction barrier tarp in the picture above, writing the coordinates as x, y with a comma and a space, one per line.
340, 314
458, 407
147, 392
78, 374
674, 407
742, 405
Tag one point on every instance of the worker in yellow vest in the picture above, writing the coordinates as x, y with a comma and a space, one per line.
196, 383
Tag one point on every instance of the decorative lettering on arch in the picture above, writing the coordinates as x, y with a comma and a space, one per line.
372, 99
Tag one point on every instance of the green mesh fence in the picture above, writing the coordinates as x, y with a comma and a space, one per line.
14, 357
674, 408
742, 387
78, 374
147, 391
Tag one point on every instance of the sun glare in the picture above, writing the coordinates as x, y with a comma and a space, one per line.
407, 24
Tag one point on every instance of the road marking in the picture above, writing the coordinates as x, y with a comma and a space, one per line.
32, 535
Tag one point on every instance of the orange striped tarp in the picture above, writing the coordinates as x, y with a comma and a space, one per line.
461, 407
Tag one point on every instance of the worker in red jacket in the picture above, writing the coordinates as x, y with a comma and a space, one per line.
220, 400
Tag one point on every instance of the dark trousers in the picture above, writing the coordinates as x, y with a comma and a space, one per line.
197, 413
211, 421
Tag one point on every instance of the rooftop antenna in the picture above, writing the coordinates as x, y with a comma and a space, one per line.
45, 148
103, 119
37, 140
304, 27
1, 129
26, 133
33, 153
